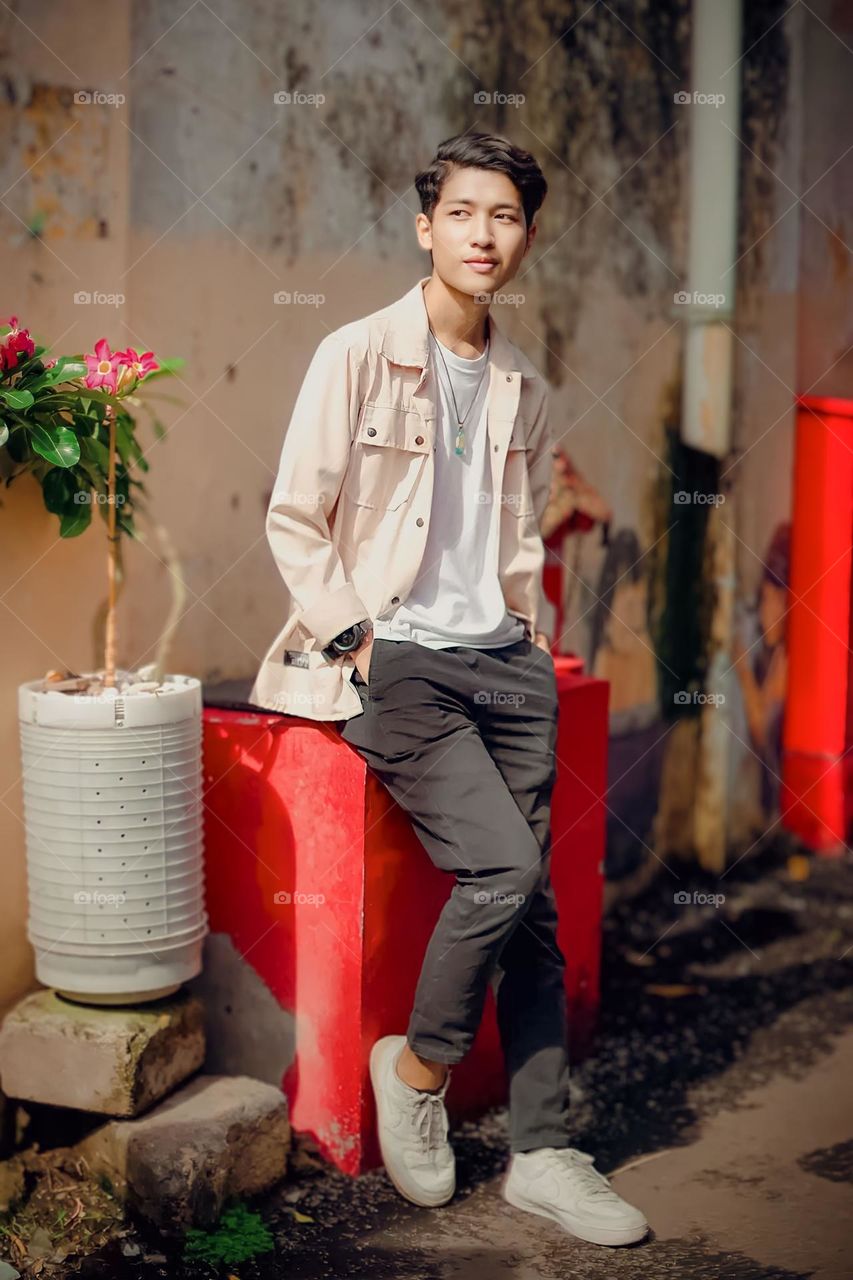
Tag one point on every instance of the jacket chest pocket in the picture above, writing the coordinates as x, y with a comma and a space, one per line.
517, 495
388, 454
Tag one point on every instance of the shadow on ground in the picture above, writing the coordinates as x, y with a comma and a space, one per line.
700, 1005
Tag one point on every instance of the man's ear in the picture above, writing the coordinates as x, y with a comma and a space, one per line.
423, 230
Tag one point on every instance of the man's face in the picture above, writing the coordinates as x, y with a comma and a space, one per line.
478, 235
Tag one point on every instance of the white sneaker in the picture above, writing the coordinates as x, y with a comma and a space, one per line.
560, 1183
412, 1128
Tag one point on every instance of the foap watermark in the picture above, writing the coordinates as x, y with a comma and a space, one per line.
284, 898
682, 898
84, 496
83, 298
296, 498
496, 698
284, 298
97, 98
295, 98
502, 499
698, 99
683, 498
695, 697
695, 298
501, 299
482, 98
295, 700
97, 898
484, 896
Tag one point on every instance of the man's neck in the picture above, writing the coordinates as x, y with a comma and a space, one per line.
456, 319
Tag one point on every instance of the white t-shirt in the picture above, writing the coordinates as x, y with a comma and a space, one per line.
456, 599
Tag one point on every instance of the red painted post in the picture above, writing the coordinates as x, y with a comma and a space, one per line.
815, 727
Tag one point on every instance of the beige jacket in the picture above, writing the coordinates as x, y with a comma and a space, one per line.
350, 511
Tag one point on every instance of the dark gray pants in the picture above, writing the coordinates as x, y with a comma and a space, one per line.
464, 740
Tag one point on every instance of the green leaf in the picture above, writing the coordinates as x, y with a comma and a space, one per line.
16, 399
76, 522
167, 369
58, 490
74, 395
57, 444
125, 443
65, 368
95, 451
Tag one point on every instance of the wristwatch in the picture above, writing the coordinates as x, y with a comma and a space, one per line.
347, 640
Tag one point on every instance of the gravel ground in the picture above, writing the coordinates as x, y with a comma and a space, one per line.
722, 1028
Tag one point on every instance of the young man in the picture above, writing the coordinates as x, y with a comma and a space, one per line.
405, 523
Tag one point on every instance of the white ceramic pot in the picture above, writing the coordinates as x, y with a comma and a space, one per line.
113, 811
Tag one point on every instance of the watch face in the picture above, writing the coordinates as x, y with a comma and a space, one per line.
347, 637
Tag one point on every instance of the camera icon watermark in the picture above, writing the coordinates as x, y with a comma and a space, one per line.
296, 498
98, 898
284, 898
497, 698
96, 98
685, 298
482, 98
285, 298
84, 496
501, 299
695, 697
483, 897
698, 99
288, 98
683, 498
83, 298
684, 899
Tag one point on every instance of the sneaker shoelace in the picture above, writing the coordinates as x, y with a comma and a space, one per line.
579, 1164
432, 1127
431, 1118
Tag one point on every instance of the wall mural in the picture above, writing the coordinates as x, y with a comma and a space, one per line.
606, 621
760, 656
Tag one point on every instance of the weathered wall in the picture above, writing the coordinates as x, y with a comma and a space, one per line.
64, 216
202, 198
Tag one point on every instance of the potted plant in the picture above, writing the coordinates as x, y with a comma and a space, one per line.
111, 758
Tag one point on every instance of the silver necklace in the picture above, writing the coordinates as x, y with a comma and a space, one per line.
459, 446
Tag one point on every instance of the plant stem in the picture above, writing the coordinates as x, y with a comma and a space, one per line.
112, 558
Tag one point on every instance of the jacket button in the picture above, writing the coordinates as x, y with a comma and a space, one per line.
509, 377
419, 521
496, 448
395, 599
419, 439
371, 431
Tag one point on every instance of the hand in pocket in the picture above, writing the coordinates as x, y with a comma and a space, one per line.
362, 660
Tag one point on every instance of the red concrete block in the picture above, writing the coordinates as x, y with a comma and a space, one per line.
317, 877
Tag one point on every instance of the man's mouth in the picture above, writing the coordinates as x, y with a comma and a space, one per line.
481, 265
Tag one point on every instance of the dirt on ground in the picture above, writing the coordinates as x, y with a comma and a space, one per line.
717, 1098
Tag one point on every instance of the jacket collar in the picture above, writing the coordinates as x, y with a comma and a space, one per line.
406, 337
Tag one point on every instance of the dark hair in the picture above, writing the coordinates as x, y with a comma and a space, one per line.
483, 151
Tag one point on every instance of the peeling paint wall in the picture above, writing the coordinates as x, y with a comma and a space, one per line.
201, 198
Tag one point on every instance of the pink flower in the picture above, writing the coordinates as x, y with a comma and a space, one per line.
16, 345
135, 366
102, 366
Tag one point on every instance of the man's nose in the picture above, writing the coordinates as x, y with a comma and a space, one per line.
483, 236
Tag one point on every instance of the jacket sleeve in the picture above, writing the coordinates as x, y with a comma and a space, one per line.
311, 469
540, 443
